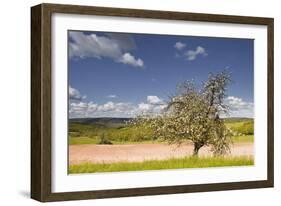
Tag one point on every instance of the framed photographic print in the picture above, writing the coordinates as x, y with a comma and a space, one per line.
132, 102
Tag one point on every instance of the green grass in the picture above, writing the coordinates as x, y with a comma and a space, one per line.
82, 140
241, 127
188, 162
87, 140
243, 139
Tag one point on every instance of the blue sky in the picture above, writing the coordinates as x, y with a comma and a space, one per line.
122, 75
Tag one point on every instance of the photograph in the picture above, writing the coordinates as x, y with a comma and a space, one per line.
133, 102
141, 102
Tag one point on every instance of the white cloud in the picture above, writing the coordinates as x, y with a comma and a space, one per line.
144, 107
237, 103
113, 46
114, 109
154, 100
82, 109
109, 106
124, 107
108, 109
153, 105
112, 96
127, 58
179, 45
192, 54
74, 94
239, 108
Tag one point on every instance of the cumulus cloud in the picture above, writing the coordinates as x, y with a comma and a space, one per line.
108, 109
192, 54
112, 46
239, 108
144, 107
109, 106
82, 109
74, 94
152, 105
154, 100
179, 45
127, 58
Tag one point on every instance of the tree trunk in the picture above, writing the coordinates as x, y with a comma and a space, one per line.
196, 148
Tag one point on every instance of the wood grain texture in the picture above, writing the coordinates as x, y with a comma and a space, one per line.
156, 14
41, 101
36, 58
270, 102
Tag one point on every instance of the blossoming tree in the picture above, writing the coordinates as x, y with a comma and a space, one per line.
193, 115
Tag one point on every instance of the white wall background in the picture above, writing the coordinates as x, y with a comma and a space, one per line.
15, 102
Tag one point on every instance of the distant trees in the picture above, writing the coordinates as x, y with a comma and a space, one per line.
193, 114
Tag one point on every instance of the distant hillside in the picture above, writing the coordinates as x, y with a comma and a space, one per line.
104, 121
119, 122
237, 119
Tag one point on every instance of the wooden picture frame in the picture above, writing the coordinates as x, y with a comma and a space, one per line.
41, 96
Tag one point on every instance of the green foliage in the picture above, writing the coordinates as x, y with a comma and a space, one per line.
104, 140
188, 162
94, 133
245, 127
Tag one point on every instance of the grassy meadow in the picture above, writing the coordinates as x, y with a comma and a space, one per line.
175, 163
106, 132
